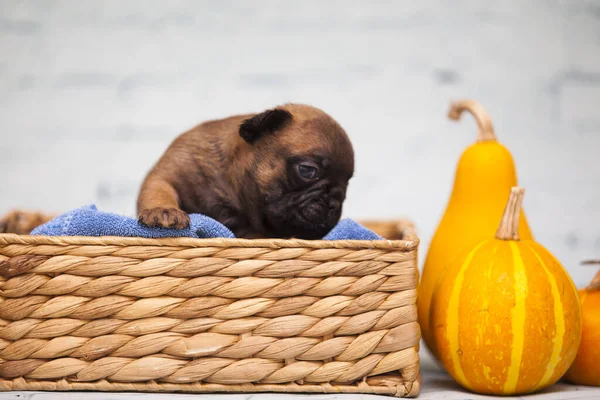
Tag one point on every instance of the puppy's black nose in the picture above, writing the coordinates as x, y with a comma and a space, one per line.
336, 192
334, 204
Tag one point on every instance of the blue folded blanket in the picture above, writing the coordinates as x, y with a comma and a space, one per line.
88, 221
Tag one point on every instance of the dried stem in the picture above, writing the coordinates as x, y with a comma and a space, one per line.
484, 123
509, 225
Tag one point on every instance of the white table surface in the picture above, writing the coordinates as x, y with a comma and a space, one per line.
435, 384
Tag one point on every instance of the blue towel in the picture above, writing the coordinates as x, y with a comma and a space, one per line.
348, 229
88, 221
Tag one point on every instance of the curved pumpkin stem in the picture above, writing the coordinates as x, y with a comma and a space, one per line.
595, 283
509, 225
484, 123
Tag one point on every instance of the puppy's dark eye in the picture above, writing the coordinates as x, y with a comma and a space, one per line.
307, 171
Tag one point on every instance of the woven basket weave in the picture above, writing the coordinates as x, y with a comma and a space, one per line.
217, 315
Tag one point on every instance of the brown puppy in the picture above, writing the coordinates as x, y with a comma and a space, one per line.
281, 173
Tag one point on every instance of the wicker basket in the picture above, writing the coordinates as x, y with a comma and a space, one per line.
218, 315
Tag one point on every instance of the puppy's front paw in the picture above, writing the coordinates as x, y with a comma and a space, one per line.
165, 218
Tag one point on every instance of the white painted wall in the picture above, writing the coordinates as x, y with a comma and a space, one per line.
91, 93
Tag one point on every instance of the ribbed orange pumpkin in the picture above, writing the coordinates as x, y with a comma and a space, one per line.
585, 370
505, 315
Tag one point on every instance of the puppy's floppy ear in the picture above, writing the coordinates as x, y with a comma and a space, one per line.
264, 123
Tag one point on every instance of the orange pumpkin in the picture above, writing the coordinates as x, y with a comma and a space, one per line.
586, 367
505, 314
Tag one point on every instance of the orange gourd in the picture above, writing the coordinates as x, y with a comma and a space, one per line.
586, 367
505, 315
484, 176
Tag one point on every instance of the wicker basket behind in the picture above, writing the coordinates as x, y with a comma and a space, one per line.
218, 315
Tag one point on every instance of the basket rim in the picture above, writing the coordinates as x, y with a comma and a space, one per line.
410, 242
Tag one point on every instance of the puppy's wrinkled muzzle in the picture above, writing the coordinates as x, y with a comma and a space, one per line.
314, 212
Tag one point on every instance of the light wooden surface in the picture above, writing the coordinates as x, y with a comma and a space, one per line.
435, 385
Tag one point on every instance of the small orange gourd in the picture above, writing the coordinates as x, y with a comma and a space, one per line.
586, 367
505, 315
484, 175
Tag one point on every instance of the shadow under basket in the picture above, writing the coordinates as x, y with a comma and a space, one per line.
210, 315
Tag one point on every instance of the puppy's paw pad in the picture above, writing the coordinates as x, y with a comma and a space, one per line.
164, 218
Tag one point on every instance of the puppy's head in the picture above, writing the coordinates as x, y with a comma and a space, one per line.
301, 162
